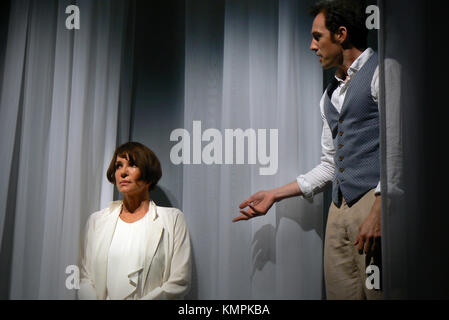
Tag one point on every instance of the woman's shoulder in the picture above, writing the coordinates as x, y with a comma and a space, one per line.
105, 212
170, 212
170, 215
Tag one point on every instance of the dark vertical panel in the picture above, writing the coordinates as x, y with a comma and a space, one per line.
158, 97
416, 235
127, 82
8, 228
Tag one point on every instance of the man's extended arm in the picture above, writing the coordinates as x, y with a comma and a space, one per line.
305, 185
260, 202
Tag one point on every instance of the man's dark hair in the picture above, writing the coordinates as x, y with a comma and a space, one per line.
346, 13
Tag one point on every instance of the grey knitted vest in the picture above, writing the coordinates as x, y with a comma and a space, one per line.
355, 133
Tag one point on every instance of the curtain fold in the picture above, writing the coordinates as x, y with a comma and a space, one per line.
248, 66
65, 86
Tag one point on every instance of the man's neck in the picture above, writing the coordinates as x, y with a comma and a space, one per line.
349, 56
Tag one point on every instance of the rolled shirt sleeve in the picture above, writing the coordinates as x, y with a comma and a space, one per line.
316, 179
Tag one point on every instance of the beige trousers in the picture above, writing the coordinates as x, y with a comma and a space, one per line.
344, 267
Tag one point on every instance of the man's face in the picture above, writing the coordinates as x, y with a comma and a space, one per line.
329, 51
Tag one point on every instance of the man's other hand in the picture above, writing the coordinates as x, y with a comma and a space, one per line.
368, 237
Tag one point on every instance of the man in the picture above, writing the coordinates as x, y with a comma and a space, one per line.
350, 152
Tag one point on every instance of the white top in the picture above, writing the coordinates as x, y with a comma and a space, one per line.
126, 255
314, 180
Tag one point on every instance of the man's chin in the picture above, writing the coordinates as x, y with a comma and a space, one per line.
326, 66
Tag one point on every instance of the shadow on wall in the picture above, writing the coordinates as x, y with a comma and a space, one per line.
306, 215
160, 197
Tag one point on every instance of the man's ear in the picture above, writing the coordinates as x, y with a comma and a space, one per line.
341, 35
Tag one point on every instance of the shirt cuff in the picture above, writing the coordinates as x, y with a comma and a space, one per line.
306, 188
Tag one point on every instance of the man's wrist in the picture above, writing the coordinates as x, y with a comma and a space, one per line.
289, 190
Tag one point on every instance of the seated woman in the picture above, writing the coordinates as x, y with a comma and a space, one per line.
134, 249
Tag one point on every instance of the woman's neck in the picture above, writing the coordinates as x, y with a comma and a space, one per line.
135, 204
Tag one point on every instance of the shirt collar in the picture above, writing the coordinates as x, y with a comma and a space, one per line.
358, 63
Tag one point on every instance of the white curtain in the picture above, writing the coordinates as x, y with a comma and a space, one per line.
248, 66
58, 118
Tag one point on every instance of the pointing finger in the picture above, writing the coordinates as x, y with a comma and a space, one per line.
245, 215
241, 217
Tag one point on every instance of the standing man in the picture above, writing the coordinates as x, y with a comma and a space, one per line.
350, 152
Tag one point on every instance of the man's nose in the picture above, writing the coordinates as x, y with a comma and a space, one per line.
313, 45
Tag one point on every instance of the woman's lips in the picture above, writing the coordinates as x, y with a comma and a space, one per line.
124, 182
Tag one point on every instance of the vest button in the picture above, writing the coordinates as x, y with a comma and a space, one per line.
341, 169
340, 133
340, 158
340, 146
340, 121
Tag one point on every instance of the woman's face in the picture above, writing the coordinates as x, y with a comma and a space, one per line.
127, 177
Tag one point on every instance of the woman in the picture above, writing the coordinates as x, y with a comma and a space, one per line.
134, 249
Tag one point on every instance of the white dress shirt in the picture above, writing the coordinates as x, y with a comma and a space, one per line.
127, 250
313, 181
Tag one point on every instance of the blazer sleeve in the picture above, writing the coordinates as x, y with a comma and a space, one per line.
178, 283
87, 285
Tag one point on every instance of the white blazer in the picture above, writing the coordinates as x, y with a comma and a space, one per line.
166, 271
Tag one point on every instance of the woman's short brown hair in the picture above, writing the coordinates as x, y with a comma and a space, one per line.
142, 157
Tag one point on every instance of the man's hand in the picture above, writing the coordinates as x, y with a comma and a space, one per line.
369, 231
259, 204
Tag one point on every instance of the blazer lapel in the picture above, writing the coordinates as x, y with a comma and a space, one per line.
154, 231
105, 234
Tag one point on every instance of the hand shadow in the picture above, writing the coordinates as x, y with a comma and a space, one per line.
264, 247
304, 213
